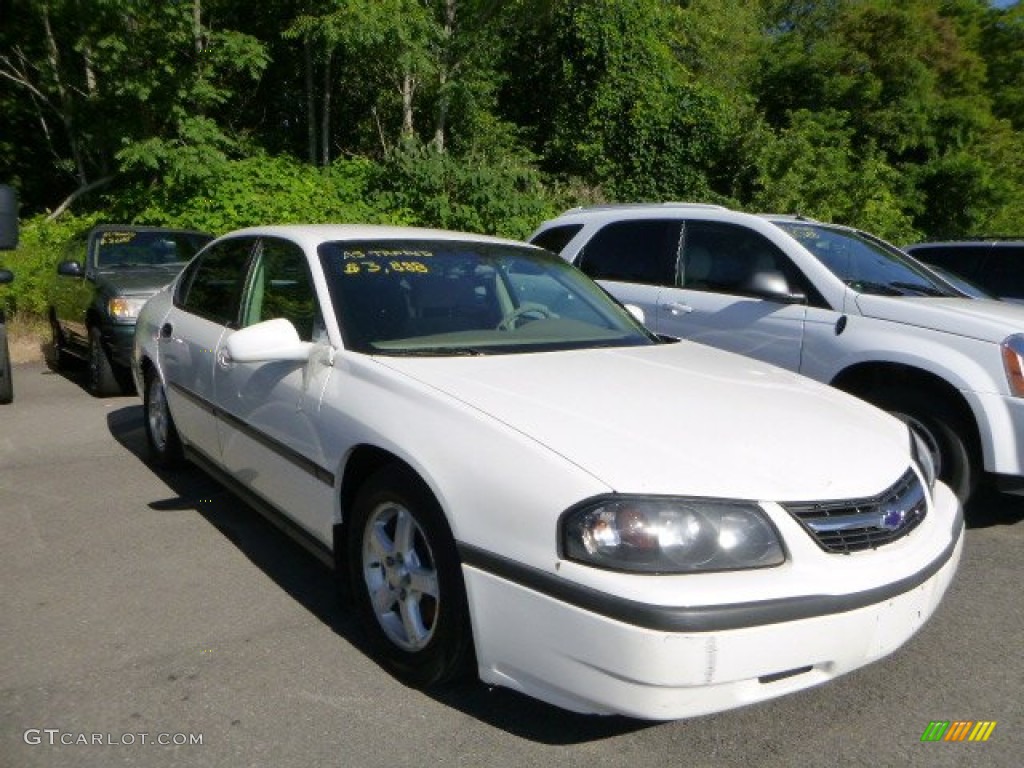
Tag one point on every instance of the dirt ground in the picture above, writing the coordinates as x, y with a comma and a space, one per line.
27, 342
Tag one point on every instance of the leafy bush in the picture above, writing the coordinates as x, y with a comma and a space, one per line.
41, 246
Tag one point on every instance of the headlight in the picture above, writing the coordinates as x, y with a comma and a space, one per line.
924, 456
123, 308
1012, 349
652, 534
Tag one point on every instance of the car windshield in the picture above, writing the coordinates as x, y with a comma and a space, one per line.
443, 297
133, 248
865, 263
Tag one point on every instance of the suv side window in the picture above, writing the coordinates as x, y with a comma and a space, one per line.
1003, 273
963, 260
724, 258
280, 286
633, 252
213, 286
556, 238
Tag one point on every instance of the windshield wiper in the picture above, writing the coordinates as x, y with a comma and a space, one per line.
883, 289
432, 352
924, 290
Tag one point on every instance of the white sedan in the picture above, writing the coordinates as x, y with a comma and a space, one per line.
515, 479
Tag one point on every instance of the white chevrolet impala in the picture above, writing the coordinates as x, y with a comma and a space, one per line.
516, 480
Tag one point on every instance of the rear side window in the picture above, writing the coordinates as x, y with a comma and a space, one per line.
556, 238
633, 252
212, 288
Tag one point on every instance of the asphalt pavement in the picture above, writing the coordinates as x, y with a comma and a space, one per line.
152, 619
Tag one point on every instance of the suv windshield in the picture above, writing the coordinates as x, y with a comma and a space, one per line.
442, 297
133, 248
864, 263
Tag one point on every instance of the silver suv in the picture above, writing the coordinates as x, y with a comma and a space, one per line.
833, 303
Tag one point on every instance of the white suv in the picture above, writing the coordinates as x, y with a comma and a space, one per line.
833, 303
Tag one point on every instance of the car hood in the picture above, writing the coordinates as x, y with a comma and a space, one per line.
982, 319
136, 282
681, 419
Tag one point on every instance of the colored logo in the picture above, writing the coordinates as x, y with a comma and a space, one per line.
958, 730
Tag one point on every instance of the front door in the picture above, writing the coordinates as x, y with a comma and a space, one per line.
269, 430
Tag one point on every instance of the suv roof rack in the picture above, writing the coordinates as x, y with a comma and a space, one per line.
635, 206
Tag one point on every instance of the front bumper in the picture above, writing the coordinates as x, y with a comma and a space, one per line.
721, 657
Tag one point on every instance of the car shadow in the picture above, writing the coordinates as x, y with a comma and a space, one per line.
312, 584
988, 507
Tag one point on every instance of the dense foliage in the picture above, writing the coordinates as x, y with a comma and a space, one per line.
489, 115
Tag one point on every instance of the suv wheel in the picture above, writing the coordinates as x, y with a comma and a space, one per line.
942, 430
101, 381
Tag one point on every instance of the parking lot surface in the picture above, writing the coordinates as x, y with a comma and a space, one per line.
153, 619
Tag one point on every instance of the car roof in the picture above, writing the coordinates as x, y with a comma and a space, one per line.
994, 242
146, 228
313, 234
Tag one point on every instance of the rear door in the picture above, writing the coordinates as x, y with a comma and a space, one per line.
206, 306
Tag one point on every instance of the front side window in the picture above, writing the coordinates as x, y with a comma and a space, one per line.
633, 252
215, 282
726, 258
864, 263
280, 286
439, 297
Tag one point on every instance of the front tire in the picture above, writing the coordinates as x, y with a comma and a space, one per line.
101, 381
407, 581
161, 435
943, 430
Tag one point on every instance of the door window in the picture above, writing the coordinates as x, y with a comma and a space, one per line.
281, 286
212, 288
726, 258
633, 252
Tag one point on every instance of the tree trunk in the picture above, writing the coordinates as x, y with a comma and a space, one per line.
307, 50
408, 90
325, 118
443, 71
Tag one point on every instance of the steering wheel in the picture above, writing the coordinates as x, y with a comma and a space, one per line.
510, 321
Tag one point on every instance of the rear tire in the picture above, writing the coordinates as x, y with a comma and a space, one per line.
6, 381
59, 357
943, 430
407, 580
162, 439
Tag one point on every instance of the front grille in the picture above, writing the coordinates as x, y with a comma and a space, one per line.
854, 525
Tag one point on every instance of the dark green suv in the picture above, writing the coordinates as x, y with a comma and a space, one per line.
996, 264
99, 294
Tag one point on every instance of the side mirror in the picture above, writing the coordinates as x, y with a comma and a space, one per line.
70, 269
636, 312
772, 285
6, 276
269, 341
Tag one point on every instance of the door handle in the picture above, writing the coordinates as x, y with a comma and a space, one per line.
223, 358
677, 308
166, 330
